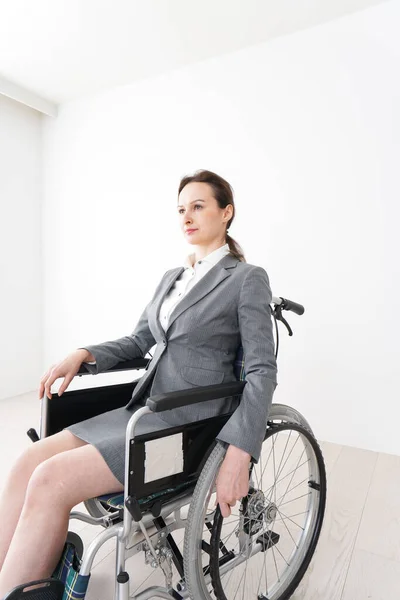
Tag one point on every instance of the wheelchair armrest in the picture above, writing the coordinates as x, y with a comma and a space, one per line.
162, 402
126, 365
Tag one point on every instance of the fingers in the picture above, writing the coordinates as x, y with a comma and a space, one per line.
43, 381
225, 509
65, 384
47, 386
225, 506
47, 380
66, 368
41, 386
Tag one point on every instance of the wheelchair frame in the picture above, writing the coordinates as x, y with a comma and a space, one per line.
133, 520
125, 522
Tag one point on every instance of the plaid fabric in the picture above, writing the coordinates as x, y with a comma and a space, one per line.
67, 571
238, 366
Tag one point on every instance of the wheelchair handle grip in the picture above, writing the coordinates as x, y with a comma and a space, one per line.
286, 304
180, 398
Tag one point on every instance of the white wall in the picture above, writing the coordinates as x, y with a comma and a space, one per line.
21, 282
307, 129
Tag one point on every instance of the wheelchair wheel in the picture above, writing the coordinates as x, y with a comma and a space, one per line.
263, 549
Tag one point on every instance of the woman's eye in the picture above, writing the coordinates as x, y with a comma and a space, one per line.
195, 206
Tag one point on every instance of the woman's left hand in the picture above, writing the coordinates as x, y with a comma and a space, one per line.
233, 479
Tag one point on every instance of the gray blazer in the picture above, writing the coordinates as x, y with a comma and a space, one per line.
229, 306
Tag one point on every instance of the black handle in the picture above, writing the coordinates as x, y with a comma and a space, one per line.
170, 400
31, 433
293, 306
126, 365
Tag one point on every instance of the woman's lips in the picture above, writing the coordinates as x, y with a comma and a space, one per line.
189, 231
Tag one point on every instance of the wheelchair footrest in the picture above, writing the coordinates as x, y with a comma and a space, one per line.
268, 539
41, 589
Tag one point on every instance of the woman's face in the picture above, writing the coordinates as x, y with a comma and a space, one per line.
201, 219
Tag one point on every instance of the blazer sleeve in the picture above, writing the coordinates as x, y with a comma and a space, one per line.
135, 345
247, 426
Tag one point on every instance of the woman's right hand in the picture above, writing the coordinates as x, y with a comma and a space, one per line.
67, 368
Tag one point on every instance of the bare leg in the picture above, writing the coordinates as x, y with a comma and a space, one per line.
13, 495
56, 485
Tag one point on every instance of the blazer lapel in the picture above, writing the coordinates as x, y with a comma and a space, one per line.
157, 305
215, 275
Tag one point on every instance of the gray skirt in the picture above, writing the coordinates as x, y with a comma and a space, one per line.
107, 432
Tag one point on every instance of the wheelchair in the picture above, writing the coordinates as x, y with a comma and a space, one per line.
261, 551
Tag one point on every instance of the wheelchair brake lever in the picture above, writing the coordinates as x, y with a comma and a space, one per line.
287, 325
278, 317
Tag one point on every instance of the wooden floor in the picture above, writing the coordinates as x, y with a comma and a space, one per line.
358, 555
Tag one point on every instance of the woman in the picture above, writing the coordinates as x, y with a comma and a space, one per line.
199, 315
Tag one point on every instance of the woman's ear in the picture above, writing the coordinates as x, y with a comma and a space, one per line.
228, 212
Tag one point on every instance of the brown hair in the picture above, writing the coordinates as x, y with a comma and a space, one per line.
223, 193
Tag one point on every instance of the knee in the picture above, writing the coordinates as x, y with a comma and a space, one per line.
25, 464
46, 486
31, 458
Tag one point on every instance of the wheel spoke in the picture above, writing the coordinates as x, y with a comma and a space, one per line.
289, 519
288, 454
290, 472
288, 530
297, 485
298, 498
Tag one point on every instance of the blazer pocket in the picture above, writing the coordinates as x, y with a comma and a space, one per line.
201, 376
